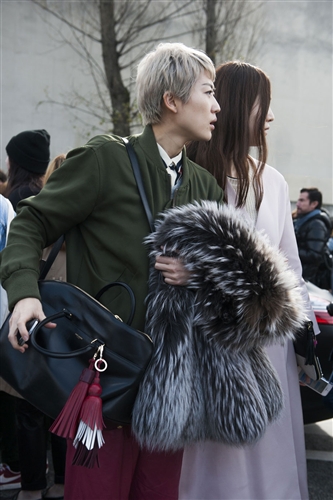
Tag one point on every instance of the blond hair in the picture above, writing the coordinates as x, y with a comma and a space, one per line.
171, 67
53, 165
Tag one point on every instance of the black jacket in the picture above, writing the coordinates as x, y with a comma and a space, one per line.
21, 193
312, 237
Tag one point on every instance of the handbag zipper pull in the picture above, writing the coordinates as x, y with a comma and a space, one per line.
100, 363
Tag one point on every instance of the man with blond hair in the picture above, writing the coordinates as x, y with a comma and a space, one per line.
95, 202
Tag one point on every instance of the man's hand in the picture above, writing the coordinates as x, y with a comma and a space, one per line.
173, 270
24, 311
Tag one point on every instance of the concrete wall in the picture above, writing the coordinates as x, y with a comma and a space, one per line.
34, 64
296, 52
298, 58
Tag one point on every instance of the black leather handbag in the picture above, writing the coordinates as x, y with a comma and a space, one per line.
48, 371
52, 365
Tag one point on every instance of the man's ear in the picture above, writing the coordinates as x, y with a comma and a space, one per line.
314, 204
170, 102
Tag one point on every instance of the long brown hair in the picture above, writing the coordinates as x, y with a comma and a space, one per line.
238, 85
20, 177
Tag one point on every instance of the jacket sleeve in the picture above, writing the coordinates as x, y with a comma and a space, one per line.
65, 201
313, 242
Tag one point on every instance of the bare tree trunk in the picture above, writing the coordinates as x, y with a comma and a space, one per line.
227, 29
120, 97
211, 31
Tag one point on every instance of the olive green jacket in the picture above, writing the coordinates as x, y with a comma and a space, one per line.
93, 199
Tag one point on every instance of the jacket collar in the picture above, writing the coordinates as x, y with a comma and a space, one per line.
148, 144
301, 220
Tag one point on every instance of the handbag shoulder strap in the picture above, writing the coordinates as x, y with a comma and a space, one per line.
51, 258
139, 182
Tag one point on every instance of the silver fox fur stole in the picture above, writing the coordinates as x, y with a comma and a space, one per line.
209, 378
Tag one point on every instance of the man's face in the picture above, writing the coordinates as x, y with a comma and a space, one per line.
304, 205
196, 118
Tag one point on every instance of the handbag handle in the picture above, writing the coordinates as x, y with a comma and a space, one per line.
55, 354
139, 182
69, 315
131, 294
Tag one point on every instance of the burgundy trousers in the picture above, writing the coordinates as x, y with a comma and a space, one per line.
126, 472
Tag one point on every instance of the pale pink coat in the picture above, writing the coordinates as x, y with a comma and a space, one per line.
275, 467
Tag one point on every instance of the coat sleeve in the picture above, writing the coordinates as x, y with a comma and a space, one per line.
65, 201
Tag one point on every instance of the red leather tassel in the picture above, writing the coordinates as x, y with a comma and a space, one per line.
89, 436
65, 425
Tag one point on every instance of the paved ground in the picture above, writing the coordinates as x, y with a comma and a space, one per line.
319, 446
319, 454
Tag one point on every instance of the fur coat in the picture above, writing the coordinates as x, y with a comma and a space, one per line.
209, 378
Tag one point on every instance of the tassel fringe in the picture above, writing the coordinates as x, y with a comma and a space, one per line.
65, 424
81, 419
89, 437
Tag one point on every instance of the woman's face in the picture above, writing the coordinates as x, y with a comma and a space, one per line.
253, 121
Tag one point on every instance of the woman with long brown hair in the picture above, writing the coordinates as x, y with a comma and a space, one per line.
275, 467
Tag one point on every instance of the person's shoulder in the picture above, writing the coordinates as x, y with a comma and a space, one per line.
24, 191
104, 140
273, 173
6, 215
21, 193
196, 169
325, 214
271, 176
4, 208
5, 204
325, 217
100, 146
